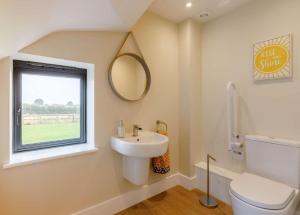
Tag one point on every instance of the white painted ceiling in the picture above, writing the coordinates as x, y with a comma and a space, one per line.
22, 22
176, 11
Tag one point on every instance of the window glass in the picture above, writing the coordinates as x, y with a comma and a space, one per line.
50, 108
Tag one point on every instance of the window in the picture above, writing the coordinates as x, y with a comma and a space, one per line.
49, 106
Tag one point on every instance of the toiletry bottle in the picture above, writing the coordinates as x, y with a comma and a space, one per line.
121, 130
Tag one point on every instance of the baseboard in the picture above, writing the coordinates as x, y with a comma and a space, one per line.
219, 181
188, 183
131, 198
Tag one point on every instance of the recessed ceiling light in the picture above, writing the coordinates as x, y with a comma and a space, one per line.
189, 4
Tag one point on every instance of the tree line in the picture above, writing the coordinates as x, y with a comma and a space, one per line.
38, 107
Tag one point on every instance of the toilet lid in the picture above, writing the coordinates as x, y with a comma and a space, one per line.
261, 192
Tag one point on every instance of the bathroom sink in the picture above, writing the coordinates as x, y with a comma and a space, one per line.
146, 144
137, 152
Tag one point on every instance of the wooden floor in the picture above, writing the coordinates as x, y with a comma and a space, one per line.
176, 201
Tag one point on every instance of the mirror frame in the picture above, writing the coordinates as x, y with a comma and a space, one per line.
147, 73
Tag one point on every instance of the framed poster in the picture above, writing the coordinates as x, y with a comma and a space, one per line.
273, 59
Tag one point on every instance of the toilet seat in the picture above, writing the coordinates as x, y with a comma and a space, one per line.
261, 192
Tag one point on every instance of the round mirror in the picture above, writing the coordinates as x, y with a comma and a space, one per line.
129, 77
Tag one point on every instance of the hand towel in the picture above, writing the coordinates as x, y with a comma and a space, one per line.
161, 164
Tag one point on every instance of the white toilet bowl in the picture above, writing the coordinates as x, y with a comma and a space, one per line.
255, 195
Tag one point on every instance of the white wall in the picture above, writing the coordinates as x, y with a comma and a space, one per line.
67, 185
190, 87
270, 108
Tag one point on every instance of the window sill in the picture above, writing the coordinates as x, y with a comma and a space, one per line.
27, 158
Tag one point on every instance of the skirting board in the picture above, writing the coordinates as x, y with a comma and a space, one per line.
131, 198
219, 181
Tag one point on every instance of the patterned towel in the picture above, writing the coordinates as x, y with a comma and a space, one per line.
161, 164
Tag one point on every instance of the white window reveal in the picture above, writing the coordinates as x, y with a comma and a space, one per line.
53, 109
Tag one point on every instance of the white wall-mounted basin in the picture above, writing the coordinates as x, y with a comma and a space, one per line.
137, 152
147, 144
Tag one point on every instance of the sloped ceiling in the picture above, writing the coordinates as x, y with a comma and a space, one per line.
24, 21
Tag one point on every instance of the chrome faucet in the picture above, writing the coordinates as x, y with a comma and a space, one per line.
136, 130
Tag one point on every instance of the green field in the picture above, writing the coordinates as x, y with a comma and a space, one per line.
49, 132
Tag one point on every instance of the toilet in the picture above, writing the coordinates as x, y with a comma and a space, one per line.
272, 178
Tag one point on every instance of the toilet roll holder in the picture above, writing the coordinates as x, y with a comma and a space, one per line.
207, 200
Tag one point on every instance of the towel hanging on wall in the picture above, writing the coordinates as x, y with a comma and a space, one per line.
161, 164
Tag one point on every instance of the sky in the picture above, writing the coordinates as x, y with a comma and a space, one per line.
53, 90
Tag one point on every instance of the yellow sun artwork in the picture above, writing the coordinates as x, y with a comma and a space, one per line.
273, 58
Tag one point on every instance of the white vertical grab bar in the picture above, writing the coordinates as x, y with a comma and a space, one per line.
233, 137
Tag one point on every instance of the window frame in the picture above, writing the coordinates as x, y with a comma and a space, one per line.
29, 67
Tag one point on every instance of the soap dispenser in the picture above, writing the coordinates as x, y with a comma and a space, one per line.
121, 129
